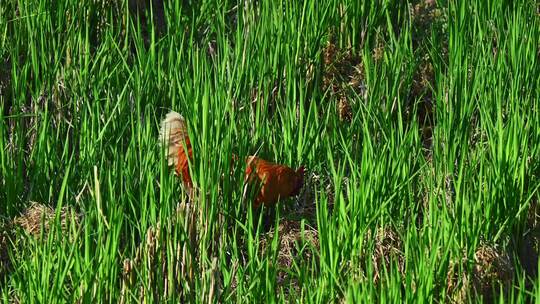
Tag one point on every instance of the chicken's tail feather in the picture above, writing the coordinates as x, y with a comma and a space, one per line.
172, 134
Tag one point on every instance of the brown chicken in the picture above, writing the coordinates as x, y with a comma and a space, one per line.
275, 181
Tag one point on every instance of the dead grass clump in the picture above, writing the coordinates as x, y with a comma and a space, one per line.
36, 220
490, 268
388, 248
294, 246
458, 283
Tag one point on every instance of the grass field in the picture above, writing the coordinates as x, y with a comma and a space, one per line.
418, 124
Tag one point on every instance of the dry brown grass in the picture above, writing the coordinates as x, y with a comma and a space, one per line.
36, 220
491, 267
344, 109
153, 257
457, 282
423, 14
388, 248
383, 250
378, 52
294, 245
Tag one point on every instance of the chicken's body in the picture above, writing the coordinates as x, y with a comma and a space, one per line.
275, 181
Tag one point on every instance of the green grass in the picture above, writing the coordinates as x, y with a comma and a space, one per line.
84, 85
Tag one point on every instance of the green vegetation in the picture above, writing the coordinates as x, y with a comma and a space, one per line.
418, 123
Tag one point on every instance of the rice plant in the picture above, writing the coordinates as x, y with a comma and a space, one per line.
418, 124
